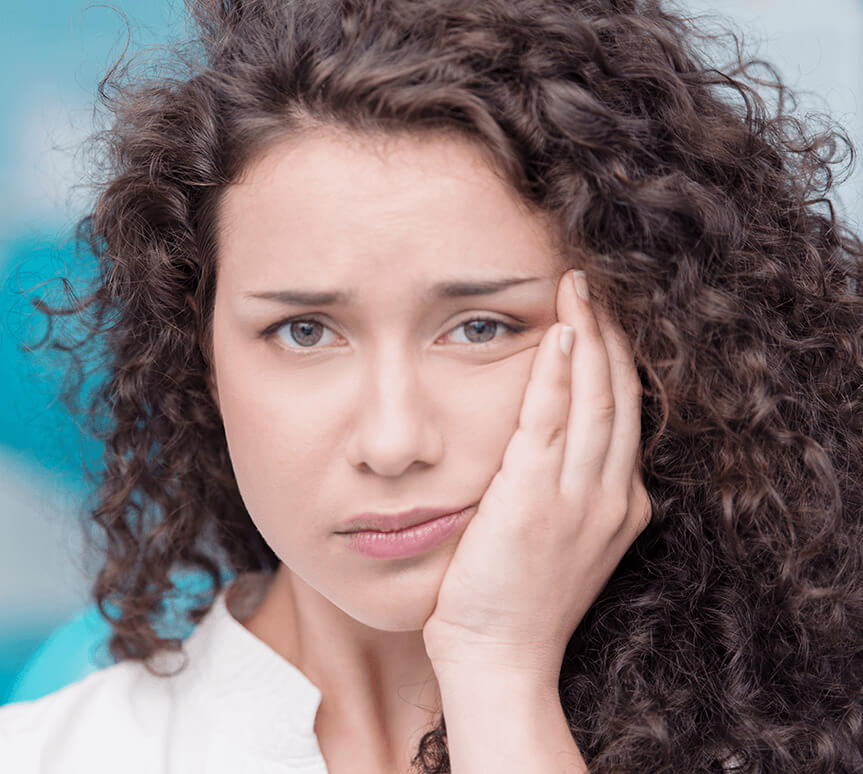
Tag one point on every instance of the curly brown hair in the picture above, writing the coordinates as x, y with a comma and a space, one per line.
702, 218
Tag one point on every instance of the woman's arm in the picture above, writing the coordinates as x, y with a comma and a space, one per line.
506, 722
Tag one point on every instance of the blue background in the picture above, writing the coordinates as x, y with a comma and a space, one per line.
51, 58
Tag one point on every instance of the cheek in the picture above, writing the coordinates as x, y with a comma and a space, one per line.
482, 405
273, 433
271, 442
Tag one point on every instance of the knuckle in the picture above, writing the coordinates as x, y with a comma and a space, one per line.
617, 507
546, 435
554, 436
605, 408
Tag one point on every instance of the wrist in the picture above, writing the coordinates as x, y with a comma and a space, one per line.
475, 681
506, 722
495, 662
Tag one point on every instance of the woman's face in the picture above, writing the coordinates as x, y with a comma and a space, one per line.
380, 398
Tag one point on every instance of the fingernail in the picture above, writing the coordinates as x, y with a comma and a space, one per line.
579, 280
566, 339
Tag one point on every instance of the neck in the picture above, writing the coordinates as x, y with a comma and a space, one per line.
379, 693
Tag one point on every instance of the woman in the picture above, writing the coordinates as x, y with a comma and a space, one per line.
336, 277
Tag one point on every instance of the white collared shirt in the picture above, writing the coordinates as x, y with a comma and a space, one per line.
236, 707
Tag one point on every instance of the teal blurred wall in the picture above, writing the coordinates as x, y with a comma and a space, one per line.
51, 58
52, 54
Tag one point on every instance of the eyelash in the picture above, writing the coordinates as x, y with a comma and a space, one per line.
271, 330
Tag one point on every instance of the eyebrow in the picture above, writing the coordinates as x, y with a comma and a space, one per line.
458, 289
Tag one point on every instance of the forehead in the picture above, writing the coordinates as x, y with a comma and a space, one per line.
360, 206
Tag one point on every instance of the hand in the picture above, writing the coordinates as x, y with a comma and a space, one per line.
560, 513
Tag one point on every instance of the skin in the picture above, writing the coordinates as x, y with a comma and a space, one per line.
401, 406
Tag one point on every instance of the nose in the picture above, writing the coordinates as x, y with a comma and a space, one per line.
395, 427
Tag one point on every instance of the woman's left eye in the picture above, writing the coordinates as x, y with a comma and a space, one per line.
485, 329
307, 331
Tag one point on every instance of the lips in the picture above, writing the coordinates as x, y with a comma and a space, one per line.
383, 522
409, 542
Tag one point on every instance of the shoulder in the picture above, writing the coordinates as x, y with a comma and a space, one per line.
91, 724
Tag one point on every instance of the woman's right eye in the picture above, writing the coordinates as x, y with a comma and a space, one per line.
306, 332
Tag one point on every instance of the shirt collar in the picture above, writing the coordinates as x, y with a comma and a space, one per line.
265, 700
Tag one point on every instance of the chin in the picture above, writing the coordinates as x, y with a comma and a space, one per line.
404, 612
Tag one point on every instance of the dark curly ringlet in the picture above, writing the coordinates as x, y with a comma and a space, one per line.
734, 624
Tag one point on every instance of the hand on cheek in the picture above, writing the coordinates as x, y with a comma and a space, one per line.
560, 513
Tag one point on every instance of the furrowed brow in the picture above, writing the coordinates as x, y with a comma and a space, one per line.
451, 289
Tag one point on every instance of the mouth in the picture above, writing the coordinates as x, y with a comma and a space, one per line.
396, 522
410, 541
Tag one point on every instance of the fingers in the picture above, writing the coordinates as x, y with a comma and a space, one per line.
623, 450
580, 418
604, 429
536, 447
590, 422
